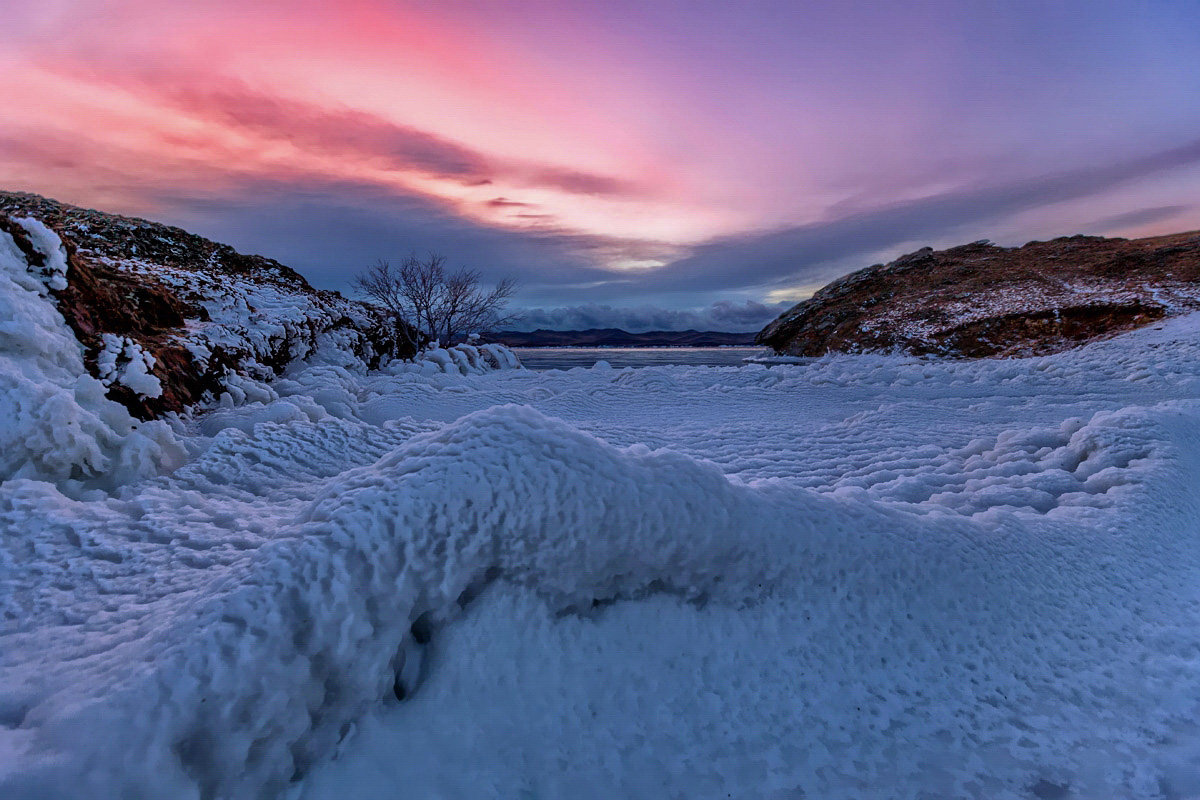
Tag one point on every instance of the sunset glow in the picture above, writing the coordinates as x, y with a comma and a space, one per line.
667, 146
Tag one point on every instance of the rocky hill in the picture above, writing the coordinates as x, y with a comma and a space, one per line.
167, 318
981, 300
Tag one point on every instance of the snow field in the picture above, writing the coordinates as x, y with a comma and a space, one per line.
844, 652
866, 576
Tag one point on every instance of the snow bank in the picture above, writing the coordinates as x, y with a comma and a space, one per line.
461, 359
58, 425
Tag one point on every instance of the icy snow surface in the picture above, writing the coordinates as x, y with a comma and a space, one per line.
862, 577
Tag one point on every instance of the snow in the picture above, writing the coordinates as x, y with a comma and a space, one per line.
123, 361
860, 576
54, 272
57, 424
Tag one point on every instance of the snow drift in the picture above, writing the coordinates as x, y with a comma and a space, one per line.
235, 685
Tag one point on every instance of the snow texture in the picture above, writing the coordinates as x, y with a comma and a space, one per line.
53, 274
863, 576
123, 361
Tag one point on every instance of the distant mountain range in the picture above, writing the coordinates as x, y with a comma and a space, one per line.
615, 337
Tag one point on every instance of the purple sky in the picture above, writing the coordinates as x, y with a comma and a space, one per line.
637, 163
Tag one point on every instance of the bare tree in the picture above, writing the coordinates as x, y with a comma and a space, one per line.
439, 305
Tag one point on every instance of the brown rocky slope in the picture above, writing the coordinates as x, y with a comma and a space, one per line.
198, 312
981, 300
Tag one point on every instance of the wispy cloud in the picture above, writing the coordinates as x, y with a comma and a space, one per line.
1138, 218
341, 132
800, 254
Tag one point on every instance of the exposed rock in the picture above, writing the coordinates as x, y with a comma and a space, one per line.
194, 311
981, 300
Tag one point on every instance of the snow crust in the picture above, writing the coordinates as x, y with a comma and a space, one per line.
864, 576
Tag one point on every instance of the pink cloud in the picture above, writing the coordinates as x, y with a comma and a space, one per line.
621, 120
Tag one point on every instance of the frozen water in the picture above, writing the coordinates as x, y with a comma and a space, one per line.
866, 576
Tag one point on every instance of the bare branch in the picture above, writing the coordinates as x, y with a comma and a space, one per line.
442, 306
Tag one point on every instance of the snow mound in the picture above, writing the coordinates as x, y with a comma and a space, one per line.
58, 424
259, 676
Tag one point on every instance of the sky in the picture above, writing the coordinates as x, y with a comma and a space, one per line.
639, 163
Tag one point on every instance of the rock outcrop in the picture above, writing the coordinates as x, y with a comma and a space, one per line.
980, 300
167, 318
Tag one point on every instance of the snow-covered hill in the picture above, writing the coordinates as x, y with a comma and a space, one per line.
93, 347
980, 300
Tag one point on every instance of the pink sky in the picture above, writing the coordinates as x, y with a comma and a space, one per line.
615, 144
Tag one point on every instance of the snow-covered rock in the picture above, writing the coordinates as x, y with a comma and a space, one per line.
56, 423
187, 313
200, 326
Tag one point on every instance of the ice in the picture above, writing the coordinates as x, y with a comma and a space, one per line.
860, 576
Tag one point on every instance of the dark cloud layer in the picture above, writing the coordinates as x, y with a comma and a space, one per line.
809, 252
724, 315
330, 231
